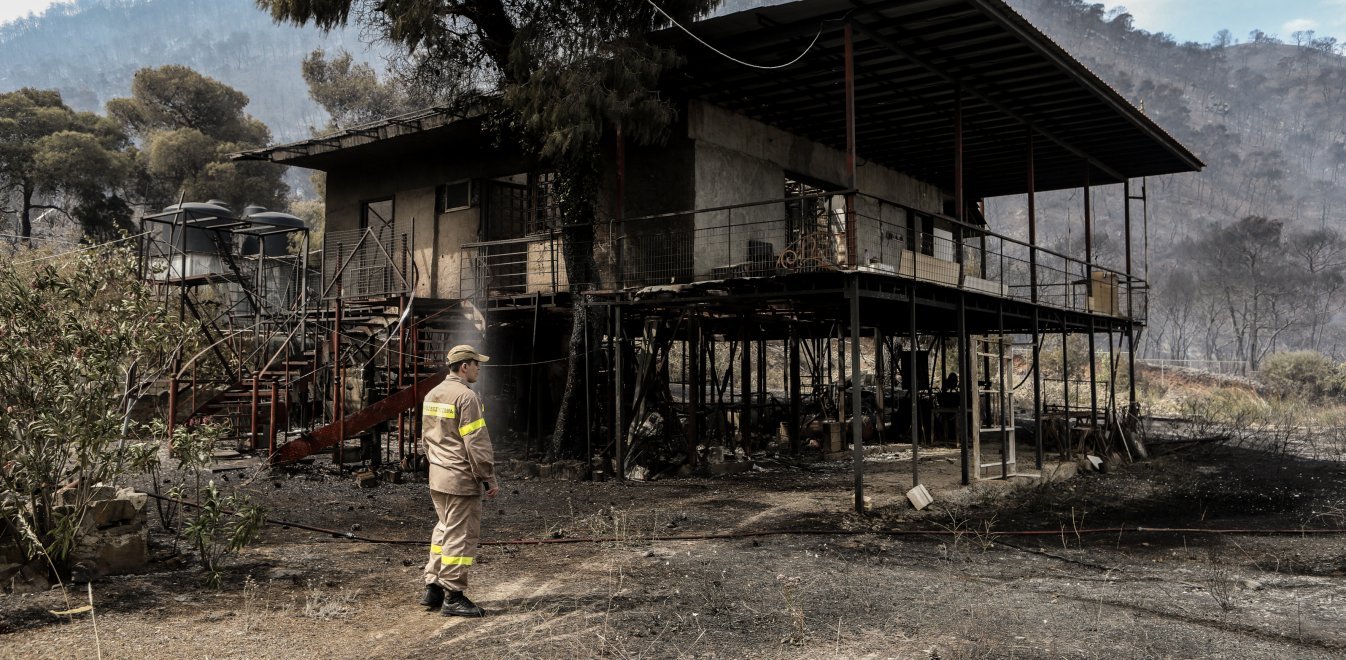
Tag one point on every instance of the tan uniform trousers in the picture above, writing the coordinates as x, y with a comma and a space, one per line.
453, 544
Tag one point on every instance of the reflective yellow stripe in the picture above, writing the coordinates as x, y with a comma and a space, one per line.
469, 427
456, 561
436, 549
445, 410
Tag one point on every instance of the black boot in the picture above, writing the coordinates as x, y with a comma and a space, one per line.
434, 596
456, 604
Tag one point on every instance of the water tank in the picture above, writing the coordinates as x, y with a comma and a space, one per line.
188, 247
198, 216
275, 244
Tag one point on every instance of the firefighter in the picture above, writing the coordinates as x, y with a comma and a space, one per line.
461, 471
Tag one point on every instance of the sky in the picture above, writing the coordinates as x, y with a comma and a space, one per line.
1186, 20
1199, 20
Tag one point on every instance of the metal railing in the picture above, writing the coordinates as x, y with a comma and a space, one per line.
768, 239
368, 263
514, 267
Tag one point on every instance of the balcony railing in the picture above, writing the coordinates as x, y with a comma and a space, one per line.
514, 267
774, 238
366, 263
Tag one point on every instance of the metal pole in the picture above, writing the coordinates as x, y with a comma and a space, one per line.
911, 391
1004, 394
959, 202
271, 429
745, 386
252, 440
1093, 375
583, 309
966, 386
1033, 293
795, 404
692, 389
619, 425
880, 414
172, 406
857, 423
1130, 297
338, 400
851, 179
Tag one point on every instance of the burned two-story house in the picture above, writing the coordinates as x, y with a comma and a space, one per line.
797, 220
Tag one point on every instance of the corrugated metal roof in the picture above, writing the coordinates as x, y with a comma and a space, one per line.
911, 58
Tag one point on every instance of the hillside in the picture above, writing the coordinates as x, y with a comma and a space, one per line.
90, 49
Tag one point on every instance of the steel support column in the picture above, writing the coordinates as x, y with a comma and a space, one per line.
966, 386
1033, 294
857, 422
1130, 307
618, 394
912, 396
851, 180
794, 367
745, 387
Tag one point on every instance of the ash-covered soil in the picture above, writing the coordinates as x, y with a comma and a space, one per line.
954, 581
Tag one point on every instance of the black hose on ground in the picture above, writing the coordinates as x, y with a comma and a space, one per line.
813, 532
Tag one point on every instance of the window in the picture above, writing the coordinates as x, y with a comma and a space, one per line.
377, 213
453, 196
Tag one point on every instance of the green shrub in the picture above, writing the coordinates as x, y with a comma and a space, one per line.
1302, 373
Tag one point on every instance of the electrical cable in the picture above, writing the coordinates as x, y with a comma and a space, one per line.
86, 249
708, 536
733, 59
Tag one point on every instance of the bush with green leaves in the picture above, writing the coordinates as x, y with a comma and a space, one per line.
222, 526
79, 334
1308, 374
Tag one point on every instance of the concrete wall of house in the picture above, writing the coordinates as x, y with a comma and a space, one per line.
740, 160
658, 181
410, 179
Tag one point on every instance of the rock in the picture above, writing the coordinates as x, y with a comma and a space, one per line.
30, 578
366, 479
919, 497
115, 550
1251, 585
729, 467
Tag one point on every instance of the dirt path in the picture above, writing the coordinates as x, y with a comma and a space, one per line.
966, 595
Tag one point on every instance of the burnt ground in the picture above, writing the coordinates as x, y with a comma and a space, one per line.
954, 582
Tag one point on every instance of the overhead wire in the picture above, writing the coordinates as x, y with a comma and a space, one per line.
733, 59
51, 257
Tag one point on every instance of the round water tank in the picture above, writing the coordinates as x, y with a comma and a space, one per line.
197, 216
277, 243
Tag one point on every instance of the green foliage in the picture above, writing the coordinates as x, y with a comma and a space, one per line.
188, 124
49, 152
175, 97
1306, 374
222, 526
77, 334
350, 92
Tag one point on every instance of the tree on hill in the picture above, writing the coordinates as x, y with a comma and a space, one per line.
563, 75
55, 159
188, 124
350, 91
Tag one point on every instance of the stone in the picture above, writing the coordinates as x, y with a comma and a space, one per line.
29, 578
730, 467
71, 494
919, 497
366, 479
115, 550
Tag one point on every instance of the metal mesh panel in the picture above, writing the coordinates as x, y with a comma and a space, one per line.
369, 263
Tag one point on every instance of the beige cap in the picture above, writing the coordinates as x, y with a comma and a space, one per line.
463, 352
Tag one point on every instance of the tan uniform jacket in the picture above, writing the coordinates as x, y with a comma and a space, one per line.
456, 440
